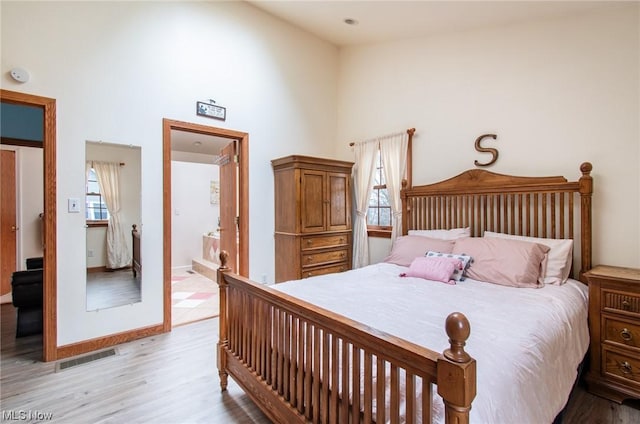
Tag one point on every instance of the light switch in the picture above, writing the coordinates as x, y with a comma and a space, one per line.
73, 205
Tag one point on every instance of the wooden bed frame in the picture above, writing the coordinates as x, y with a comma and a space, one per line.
299, 362
136, 263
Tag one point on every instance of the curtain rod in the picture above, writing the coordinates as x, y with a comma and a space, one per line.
119, 163
410, 131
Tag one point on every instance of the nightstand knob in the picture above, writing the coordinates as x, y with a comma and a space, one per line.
626, 334
309, 241
625, 367
309, 258
625, 304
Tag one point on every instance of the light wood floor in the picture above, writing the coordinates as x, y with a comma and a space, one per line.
112, 288
171, 378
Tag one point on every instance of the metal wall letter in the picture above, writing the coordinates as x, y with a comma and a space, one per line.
494, 152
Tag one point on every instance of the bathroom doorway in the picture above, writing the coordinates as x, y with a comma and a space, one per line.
191, 152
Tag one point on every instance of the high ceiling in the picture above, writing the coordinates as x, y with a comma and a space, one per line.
379, 21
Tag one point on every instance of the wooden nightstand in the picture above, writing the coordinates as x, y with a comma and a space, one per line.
614, 327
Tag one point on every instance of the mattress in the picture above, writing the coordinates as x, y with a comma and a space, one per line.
527, 342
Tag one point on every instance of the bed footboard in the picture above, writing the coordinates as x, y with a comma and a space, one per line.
301, 363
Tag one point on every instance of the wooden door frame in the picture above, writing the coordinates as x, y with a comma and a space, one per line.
50, 294
243, 199
8, 217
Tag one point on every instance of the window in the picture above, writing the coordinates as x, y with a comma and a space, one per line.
379, 213
96, 209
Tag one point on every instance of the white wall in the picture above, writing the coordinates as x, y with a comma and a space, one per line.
193, 214
557, 93
117, 68
130, 203
29, 199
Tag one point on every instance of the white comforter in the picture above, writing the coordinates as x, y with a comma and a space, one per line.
528, 343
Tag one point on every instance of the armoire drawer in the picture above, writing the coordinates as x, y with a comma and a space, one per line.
314, 272
313, 259
320, 242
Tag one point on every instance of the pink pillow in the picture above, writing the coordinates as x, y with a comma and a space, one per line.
507, 262
435, 269
406, 248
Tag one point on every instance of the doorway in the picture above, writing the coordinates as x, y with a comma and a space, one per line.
49, 308
233, 210
8, 222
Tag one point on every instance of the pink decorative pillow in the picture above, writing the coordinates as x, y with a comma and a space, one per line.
406, 248
435, 269
507, 262
559, 257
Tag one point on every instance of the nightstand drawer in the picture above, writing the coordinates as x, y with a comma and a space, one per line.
621, 332
324, 241
620, 365
325, 270
615, 301
312, 259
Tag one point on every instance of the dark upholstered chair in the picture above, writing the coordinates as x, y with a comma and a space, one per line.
26, 288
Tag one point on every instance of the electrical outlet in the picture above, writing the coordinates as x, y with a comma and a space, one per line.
264, 278
90, 253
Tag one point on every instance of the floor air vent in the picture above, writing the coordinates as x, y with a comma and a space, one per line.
61, 366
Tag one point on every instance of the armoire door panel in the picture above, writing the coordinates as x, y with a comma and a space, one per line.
313, 204
339, 196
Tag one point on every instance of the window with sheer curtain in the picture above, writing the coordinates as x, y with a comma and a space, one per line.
379, 214
96, 209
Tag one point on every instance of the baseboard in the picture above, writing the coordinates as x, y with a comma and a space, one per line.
107, 341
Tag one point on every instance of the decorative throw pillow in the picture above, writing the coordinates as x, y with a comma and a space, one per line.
559, 258
433, 268
452, 234
507, 262
458, 273
406, 248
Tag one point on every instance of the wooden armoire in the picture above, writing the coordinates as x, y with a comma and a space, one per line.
312, 216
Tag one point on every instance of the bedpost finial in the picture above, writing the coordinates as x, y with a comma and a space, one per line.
458, 330
586, 168
224, 257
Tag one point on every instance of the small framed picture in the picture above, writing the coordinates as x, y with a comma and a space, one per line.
211, 111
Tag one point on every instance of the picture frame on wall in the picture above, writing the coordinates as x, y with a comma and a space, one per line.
211, 111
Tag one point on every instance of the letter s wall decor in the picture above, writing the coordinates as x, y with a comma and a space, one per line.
494, 152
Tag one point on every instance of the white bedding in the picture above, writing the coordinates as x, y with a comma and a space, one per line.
528, 343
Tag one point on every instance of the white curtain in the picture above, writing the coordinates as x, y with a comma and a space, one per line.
108, 175
363, 170
393, 151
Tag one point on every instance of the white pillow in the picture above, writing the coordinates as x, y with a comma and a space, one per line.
559, 257
452, 234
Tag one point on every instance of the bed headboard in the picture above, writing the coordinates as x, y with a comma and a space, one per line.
528, 206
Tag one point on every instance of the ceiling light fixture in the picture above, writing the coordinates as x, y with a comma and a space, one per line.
350, 21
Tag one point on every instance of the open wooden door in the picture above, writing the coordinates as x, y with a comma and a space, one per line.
8, 223
229, 203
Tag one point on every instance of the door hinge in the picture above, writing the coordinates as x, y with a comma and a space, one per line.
236, 158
